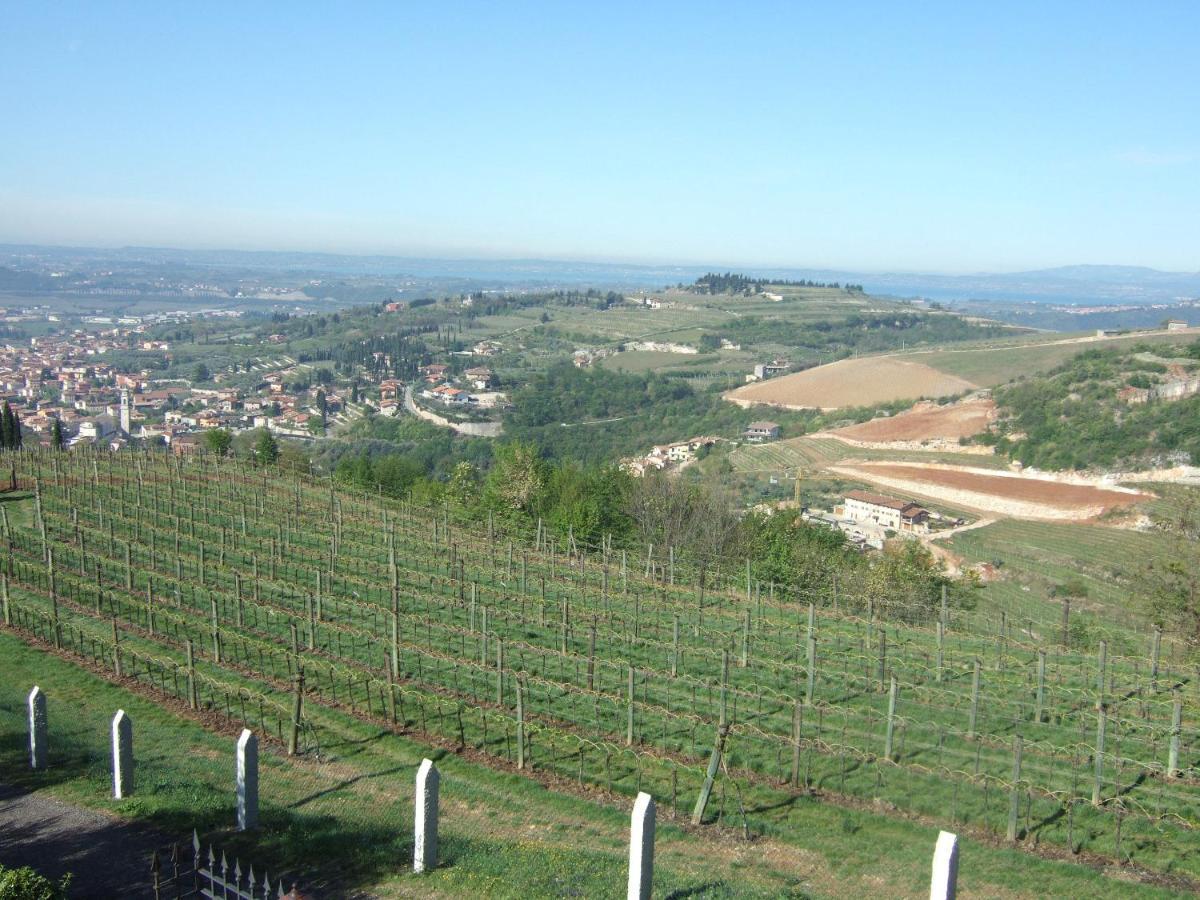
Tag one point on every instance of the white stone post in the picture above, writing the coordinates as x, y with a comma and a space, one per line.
425, 847
122, 751
641, 848
247, 781
945, 867
37, 728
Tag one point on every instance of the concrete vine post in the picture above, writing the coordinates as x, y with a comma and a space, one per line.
941, 659
893, 690
1014, 805
122, 755
520, 723
944, 883
297, 712
1098, 782
1041, 686
974, 702
1176, 730
811, 687
710, 776
629, 710
641, 848
247, 781
38, 738
425, 825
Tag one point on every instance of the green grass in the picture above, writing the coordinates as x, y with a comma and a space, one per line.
1039, 555
344, 822
817, 452
988, 367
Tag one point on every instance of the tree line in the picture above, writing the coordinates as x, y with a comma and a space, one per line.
736, 283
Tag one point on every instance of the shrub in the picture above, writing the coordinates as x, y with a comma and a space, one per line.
26, 884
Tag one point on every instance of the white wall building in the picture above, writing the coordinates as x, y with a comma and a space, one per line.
886, 512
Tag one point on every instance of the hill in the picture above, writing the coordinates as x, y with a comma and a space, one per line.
949, 369
595, 666
1131, 407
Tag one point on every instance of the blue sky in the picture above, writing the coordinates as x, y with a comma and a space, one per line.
947, 137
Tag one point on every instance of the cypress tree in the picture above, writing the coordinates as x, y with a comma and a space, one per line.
6, 427
16, 432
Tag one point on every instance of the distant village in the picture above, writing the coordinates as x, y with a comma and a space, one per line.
67, 378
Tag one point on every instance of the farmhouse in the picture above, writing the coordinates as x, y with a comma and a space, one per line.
763, 371
888, 512
757, 432
447, 394
480, 378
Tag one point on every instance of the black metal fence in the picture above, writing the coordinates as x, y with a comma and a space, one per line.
206, 874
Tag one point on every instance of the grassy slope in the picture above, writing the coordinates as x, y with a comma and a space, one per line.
502, 835
991, 367
1039, 555
817, 451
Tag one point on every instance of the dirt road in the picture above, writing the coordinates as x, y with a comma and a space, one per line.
104, 856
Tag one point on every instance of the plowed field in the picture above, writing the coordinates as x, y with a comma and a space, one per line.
925, 422
1023, 496
851, 382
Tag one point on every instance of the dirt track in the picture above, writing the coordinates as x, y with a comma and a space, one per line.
1009, 494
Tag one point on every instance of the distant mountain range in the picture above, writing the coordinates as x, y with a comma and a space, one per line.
1080, 285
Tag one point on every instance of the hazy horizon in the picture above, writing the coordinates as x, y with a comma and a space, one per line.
945, 140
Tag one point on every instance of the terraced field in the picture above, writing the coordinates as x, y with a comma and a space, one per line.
815, 452
221, 584
988, 367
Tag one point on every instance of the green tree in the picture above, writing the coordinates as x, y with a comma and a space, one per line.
266, 448
200, 373
790, 552
1169, 584
10, 428
218, 441
57, 440
462, 487
516, 479
6, 424
906, 582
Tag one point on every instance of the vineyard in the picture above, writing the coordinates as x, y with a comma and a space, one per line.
255, 594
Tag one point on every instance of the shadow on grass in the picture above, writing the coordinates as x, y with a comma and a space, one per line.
65, 761
333, 789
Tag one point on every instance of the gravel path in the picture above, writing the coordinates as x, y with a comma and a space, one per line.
105, 856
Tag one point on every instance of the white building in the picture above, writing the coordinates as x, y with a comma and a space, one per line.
886, 512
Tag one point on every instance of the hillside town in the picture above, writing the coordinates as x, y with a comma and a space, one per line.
67, 389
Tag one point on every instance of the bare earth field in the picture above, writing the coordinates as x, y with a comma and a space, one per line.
924, 422
1005, 493
851, 382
